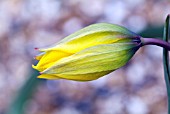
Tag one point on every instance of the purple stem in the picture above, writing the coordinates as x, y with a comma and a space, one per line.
155, 41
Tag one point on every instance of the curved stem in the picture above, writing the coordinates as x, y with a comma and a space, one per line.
154, 41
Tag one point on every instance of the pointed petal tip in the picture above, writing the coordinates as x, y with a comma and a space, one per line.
33, 66
39, 76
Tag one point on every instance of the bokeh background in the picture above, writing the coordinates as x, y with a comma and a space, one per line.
137, 88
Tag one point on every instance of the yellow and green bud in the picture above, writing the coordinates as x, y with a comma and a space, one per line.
89, 53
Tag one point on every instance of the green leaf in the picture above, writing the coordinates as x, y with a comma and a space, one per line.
166, 61
17, 106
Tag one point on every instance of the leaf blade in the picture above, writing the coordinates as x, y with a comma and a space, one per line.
166, 61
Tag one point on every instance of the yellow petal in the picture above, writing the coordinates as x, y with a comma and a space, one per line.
38, 57
82, 77
85, 77
49, 58
47, 76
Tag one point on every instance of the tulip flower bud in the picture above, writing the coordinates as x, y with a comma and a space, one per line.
89, 53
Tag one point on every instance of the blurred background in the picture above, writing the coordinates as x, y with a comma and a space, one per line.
137, 88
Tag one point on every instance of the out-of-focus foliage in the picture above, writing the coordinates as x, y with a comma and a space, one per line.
25, 24
25, 92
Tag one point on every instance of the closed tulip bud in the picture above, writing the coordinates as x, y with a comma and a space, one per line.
88, 54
